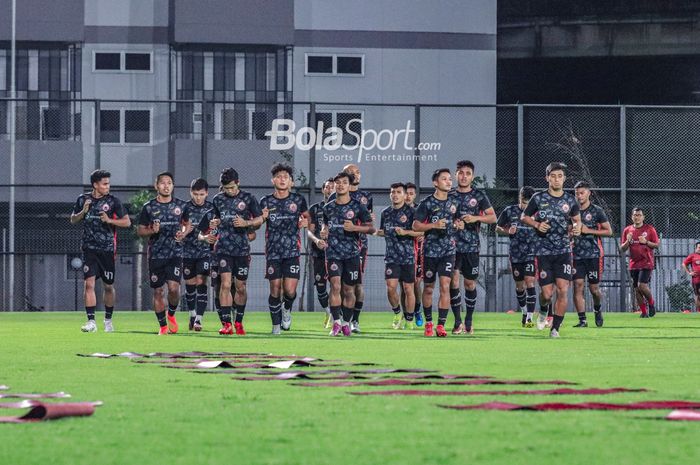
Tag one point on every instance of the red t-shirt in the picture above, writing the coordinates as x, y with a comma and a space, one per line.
694, 261
641, 256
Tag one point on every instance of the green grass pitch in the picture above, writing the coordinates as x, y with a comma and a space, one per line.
154, 415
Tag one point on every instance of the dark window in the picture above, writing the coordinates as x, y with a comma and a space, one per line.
109, 126
260, 124
137, 61
319, 64
51, 124
137, 126
108, 61
349, 65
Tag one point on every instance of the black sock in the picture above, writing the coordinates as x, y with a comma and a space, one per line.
289, 302
90, 312
522, 299
416, 309
172, 309
596, 308
356, 312
581, 316
456, 304
240, 312
347, 314
275, 305
396, 310
335, 312
225, 314
408, 316
531, 299
470, 303
161, 319
442, 316
550, 312
191, 296
428, 311
217, 302
556, 322
322, 295
202, 300
108, 312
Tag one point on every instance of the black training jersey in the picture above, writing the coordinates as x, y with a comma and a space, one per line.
557, 211
522, 243
233, 241
316, 219
365, 199
193, 247
438, 242
399, 249
96, 234
342, 244
473, 202
171, 215
587, 245
282, 239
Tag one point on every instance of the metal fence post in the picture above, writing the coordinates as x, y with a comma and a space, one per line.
521, 147
416, 151
203, 149
623, 202
98, 135
310, 289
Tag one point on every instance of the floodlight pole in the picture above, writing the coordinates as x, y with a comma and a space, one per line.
13, 115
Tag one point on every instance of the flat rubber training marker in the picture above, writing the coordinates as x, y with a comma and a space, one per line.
418, 382
53, 395
541, 392
122, 354
3, 387
40, 411
684, 415
648, 405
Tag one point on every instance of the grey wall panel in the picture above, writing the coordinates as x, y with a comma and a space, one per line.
126, 13
252, 160
43, 20
234, 21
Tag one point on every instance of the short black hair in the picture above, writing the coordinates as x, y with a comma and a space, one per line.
410, 185
438, 172
277, 167
465, 163
556, 166
199, 184
697, 243
99, 175
526, 192
396, 185
163, 174
228, 175
637, 209
582, 185
331, 180
343, 174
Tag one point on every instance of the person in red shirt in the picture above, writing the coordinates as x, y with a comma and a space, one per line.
691, 265
641, 240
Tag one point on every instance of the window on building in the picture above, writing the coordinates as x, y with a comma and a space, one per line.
110, 126
108, 61
125, 126
123, 61
335, 65
137, 61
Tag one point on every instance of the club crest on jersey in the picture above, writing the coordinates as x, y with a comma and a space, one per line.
154, 278
543, 274
222, 263
403, 218
350, 214
293, 207
697, 262
644, 234
589, 217
270, 269
453, 208
516, 273
214, 275
363, 200
565, 208
318, 277
388, 271
105, 207
334, 266
472, 202
241, 205
177, 210
187, 271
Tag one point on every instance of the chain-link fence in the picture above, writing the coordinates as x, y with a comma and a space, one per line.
633, 155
